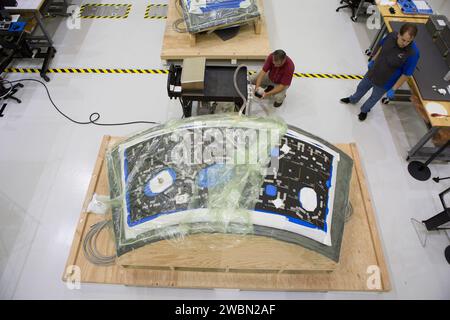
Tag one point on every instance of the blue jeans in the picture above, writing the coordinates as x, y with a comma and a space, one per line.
364, 86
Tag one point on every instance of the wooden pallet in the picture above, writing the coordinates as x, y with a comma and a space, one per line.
254, 263
252, 42
227, 253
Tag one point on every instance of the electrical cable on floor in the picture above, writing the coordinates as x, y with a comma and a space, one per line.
90, 245
93, 118
244, 99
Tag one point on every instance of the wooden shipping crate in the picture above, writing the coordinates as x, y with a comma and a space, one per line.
243, 262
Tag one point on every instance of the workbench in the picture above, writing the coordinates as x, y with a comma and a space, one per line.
417, 152
431, 69
33, 9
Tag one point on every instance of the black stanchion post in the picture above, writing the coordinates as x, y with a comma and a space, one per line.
419, 170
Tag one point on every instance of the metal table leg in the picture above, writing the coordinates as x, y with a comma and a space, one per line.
38, 17
187, 108
420, 171
422, 142
361, 5
400, 95
378, 37
48, 57
2, 109
374, 41
381, 34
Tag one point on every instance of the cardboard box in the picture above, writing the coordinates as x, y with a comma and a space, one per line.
193, 74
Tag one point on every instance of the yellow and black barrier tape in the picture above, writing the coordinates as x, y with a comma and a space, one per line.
154, 5
328, 76
164, 71
89, 70
324, 76
127, 12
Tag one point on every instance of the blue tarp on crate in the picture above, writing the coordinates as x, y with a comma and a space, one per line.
202, 15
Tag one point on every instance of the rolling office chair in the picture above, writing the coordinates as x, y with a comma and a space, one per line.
355, 5
8, 93
10, 46
440, 221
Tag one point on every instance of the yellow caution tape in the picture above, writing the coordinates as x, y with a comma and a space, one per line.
164, 71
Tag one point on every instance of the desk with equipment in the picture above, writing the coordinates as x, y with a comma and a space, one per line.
37, 38
196, 81
429, 86
397, 11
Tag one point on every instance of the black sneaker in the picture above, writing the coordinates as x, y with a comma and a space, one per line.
362, 116
345, 100
277, 104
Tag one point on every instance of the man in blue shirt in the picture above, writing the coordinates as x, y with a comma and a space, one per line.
395, 60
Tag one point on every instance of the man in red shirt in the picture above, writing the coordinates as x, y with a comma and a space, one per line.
276, 75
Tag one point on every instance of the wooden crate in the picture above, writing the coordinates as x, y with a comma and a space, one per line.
227, 253
251, 265
252, 42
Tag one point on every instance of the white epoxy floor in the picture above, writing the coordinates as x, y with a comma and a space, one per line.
46, 162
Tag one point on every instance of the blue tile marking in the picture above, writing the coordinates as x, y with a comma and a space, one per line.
325, 226
214, 175
275, 152
271, 190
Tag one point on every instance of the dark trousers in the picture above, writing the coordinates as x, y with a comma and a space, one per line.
363, 87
